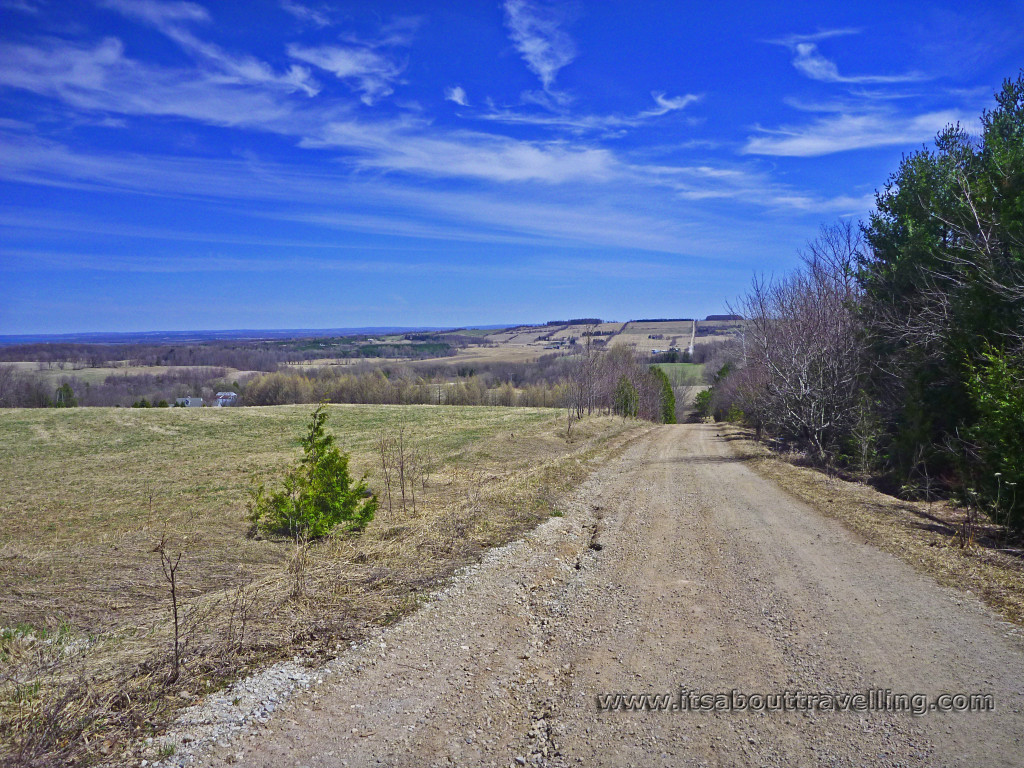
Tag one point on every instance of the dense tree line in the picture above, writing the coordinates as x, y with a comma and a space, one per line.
576, 321
242, 355
19, 389
586, 383
245, 356
401, 387
898, 348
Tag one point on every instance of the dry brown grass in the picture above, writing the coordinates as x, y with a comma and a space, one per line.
578, 330
675, 334
925, 535
86, 494
500, 354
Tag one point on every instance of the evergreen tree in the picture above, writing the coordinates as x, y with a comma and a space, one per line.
65, 397
317, 495
668, 397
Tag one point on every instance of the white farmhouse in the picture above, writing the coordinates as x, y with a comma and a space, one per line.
225, 399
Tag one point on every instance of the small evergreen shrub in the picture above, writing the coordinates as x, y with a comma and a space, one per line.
317, 495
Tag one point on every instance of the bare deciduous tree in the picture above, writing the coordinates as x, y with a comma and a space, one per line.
802, 351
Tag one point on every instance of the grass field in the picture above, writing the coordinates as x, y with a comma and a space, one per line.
86, 495
502, 354
684, 374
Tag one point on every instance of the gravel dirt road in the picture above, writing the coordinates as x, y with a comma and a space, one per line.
675, 566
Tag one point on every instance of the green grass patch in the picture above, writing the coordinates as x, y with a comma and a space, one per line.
683, 374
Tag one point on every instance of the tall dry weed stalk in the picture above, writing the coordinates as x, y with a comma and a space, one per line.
169, 566
404, 465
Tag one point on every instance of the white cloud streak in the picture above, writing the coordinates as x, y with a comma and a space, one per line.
744, 184
810, 62
666, 105
587, 123
537, 35
791, 41
403, 146
103, 78
170, 18
100, 77
321, 196
457, 94
844, 132
363, 64
366, 70
306, 14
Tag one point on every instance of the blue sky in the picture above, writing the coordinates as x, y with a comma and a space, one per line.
285, 164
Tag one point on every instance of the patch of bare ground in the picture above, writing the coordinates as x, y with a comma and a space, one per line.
930, 536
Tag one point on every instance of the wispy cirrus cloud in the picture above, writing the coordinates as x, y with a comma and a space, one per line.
869, 113
586, 123
536, 32
172, 18
457, 94
809, 61
404, 146
306, 14
666, 104
367, 65
744, 183
847, 131
791, 41
366, 70
100, 77
399, 31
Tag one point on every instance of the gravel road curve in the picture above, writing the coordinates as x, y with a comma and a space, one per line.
675, 566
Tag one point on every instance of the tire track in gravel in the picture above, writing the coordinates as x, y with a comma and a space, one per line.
674, 566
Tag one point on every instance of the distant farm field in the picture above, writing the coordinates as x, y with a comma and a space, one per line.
684, 374
87, 494
667, 334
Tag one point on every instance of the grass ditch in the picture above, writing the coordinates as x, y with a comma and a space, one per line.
87, 495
